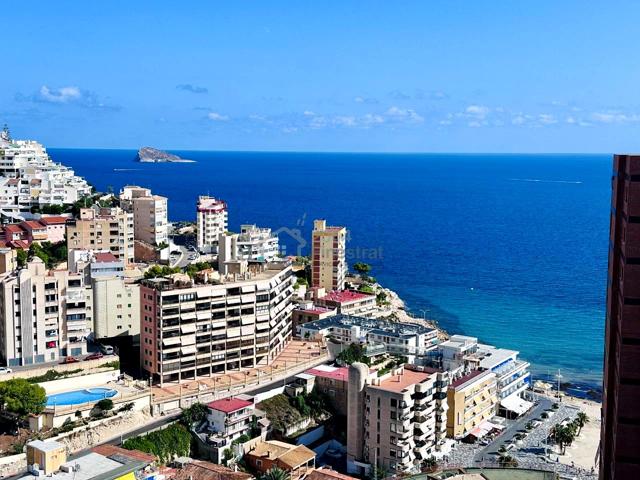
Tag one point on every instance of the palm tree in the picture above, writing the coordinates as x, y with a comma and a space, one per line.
508, 461
581, 420
564, 436
275, 473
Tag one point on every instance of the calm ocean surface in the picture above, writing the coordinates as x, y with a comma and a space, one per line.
509, 248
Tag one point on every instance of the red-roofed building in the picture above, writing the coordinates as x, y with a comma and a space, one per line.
105, 257
334, 383
309, 312
348, 302
56, 228
36, 231
230, 417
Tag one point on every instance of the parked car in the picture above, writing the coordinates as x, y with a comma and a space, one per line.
69, 360
4, 370
106, 349
94, 356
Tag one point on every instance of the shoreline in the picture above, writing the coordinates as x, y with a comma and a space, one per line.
579, 390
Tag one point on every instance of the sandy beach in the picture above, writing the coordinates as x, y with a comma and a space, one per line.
584, 449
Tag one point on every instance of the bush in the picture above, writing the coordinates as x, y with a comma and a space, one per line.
126, 407
53, 375
105, 404
175, 440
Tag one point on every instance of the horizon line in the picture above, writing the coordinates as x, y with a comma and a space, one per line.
345, 152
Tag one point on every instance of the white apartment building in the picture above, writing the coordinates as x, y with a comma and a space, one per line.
29, 178
150, 217
191, 330
328, 256
465, 354
406, 339
45, 315
257, 244
395, 421
212, 220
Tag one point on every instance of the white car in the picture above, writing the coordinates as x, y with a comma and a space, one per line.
4, 370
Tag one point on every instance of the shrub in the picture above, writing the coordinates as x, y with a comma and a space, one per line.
175, 440
105, 404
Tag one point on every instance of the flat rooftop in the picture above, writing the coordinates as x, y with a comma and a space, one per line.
327, 371
345, 296
399, 383
94, 466
378, 326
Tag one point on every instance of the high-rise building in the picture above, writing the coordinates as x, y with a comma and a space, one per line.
395, 421
328, 261
212, 220
620, 433
473, 400
191, 330
44, 315
103, 229
150, 223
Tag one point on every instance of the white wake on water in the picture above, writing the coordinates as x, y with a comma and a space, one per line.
538, 180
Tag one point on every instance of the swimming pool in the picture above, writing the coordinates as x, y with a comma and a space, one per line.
75, 397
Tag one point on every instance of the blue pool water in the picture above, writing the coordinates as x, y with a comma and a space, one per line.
509, 248
76, 397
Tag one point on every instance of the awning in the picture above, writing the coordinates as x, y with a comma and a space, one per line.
189, 328
171, 341
516, 404
484, 428
188, 350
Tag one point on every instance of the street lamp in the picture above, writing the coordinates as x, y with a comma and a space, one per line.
558, 376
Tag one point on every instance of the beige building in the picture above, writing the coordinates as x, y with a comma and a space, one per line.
44, 315
190, 329
212, 220
48, 456
473, 400
103, 229
328, 256
397, 420
150, 221
297, 460
116, 307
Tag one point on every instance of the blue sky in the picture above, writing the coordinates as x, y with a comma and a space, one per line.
423, 76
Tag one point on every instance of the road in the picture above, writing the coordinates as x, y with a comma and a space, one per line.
491, 450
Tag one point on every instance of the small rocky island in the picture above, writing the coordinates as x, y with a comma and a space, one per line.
153, 155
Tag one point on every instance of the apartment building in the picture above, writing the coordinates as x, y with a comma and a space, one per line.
473, 400
328, 256
333, 382
192, 329
395, 421
620, 433
463, 354
212, 220
150, 217
29, 178
45, 315
348, 302
306, 311
23, 234
103, 229
406, 339
257, 244
230, 418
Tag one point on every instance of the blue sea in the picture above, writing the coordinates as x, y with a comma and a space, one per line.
509, 248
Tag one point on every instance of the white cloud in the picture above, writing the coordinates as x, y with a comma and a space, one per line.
405, 115
547, 119
217, 117
60, 95
614, 117
308, 113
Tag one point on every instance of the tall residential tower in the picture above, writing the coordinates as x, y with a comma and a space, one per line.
620, 434
328, 262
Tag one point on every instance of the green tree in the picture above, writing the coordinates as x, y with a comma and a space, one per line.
21, 257
581, 420
353, 353
275, 473
507, 461
196, 413
362, 268
21, 397
227, 455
